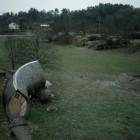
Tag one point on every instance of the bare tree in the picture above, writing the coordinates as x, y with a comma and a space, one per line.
11, 45
30, 48
36, 50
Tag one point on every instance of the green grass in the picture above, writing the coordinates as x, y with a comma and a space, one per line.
95, 97
4, 60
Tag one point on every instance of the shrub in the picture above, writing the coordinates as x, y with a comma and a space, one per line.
63, 39
93, 38
135, 35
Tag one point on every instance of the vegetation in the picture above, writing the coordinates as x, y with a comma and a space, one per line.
13, 49
31, 48
37, 50
103, 18
96, 93
121, 21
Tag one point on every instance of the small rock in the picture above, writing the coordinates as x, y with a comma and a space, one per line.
52, 109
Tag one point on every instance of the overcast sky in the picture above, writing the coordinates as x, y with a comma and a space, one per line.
24, 5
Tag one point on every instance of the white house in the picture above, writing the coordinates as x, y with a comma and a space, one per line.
13, 26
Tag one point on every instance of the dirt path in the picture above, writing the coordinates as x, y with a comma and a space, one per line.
22, 132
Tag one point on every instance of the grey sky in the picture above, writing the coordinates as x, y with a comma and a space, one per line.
24, 5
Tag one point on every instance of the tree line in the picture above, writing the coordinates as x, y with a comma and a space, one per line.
103, 18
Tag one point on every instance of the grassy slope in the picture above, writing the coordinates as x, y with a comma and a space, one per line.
89, 105
87, 110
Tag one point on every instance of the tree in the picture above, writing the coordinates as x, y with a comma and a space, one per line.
36, 50
109, 23
56, 12
30, 48
11, 46
42, 16
65, 17
33, 14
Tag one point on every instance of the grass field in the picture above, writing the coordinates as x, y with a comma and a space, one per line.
97, 95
